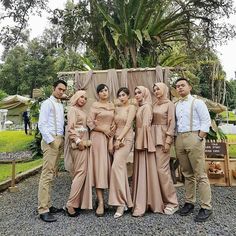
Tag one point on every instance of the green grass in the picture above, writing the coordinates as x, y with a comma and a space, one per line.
13, 141
6, 169
232, 148
232, 116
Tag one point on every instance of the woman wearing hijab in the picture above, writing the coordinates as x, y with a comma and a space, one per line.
100, 122
119, 194
163, 128
146, 186
76, 159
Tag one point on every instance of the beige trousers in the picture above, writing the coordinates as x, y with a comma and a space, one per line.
190, 151
51, 155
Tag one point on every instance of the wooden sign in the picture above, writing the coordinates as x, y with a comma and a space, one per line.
215, 148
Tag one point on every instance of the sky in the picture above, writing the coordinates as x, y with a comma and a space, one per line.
226, 53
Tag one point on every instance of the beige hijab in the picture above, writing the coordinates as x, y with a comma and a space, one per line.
164, 91
76, 96
147, 98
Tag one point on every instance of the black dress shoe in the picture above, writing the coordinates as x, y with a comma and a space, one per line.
54, 210
47, 217
203, 215
186, 209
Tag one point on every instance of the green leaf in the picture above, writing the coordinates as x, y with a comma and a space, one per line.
139, 35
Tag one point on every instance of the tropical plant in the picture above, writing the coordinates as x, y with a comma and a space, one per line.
138, 28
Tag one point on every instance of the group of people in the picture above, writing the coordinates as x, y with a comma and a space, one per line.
97, 146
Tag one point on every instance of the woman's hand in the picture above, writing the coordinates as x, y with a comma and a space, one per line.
166, 147
81, 146
117, 144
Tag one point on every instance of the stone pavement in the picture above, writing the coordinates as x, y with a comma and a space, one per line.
18, 215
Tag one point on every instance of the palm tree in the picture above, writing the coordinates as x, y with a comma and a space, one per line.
132, 26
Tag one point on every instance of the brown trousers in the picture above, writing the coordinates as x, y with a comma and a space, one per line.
51, 155
190, 151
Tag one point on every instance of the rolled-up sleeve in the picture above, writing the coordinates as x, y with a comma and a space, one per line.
204, 116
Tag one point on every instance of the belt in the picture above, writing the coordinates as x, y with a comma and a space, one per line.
197, 131
81, 129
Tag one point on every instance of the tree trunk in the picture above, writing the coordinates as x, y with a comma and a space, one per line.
133, 52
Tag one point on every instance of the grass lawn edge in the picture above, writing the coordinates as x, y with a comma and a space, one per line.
7, 183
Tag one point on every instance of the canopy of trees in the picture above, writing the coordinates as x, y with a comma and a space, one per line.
105, 34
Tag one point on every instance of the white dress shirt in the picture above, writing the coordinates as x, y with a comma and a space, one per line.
46, 122
201, 117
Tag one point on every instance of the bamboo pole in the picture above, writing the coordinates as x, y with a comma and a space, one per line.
118, 70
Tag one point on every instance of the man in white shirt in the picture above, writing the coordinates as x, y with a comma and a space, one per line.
51, 126
193, 122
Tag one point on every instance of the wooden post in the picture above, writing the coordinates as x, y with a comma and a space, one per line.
13, 187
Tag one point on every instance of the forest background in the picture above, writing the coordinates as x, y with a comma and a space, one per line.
100, 34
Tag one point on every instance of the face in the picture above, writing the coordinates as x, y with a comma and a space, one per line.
157, 92
183, 88
104, 94
123, 97
138, 95
81, 101
59, 90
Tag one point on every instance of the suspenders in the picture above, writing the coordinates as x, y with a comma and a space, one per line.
191, 114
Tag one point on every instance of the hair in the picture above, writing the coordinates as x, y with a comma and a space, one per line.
60, 81
182, 78
100, 87
123, 89
154, 85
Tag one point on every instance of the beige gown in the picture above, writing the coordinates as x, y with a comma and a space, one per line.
81, 190
100, 115
163, 126
119, 194
146, 187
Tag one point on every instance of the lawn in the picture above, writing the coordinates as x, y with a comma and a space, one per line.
5, 169
13, 141
232, 147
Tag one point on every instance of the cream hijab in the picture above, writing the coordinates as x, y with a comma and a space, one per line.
164, 91
76, 96
147, 98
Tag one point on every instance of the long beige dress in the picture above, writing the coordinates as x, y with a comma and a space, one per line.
100, 115
119, 194
81, 190
163, 127
146, 187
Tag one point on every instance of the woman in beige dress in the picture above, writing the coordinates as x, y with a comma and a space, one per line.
119, 194
146, 187
76, 159
163, 128
100, 122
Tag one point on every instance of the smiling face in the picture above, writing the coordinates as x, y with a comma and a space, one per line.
183, 88
123, 97
157, 92
59, 90
138, 95
81, 101
104, 94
